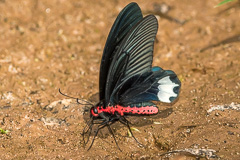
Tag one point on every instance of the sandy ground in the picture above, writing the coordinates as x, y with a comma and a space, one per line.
47, 45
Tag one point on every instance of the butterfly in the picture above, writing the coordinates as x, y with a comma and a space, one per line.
128, 83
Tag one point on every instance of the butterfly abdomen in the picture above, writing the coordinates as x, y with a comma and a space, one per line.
131, 110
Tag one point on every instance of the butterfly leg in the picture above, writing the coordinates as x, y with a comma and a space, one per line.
89, 127
90, 124
90, 131
102, 125
110, 130
124, 121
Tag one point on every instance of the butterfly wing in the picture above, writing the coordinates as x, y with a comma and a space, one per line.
132, 58
157, 85
126, 19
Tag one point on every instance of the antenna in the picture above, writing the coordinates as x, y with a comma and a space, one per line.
87, 103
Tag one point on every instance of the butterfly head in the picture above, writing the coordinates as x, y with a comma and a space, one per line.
95, 111
98, 112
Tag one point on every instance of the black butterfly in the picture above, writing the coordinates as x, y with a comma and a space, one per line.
128, 82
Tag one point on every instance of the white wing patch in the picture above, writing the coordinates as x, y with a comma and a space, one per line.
166, 87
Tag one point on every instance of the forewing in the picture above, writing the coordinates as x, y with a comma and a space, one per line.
126, 19
159, 85
133, 57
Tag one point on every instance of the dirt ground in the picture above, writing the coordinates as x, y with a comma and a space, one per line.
46, 45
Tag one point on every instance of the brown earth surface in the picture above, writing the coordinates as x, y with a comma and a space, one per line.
47, 45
